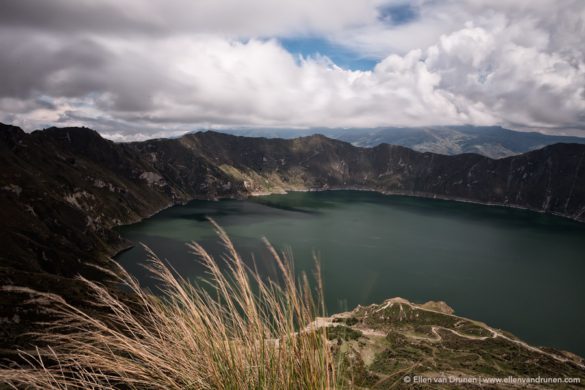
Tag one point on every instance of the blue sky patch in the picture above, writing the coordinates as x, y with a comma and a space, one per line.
341, 56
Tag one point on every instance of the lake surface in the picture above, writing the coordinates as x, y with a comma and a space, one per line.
513, 269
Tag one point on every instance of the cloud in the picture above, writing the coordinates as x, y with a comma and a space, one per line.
170, 17
161, 68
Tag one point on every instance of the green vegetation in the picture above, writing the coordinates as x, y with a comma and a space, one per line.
343, 333
349, 321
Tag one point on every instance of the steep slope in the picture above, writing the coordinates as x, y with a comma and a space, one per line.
489, 141
62, 190
548, 180
399, 343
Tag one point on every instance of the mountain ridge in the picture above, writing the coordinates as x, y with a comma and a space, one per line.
129, 181
62, 190
489, 141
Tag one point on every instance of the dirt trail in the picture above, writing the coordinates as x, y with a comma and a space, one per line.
495, 334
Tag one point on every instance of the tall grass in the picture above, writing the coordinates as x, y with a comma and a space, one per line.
239, 332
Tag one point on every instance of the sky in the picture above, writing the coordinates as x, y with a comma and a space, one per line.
137, 69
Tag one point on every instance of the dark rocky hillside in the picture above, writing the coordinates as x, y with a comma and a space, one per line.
63, 189
489, 141
551, 179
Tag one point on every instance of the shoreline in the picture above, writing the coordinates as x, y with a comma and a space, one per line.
413, 204
422, 195
258, 194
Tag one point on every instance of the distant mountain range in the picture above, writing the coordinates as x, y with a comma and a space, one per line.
62, 190
492, 141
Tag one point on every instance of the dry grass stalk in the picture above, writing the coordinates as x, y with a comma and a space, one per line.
239, 332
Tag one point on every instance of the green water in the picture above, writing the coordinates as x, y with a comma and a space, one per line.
513, 269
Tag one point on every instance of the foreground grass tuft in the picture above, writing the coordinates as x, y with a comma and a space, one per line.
239, 332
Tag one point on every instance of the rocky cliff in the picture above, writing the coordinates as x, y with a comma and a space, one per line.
489, 141
63, 189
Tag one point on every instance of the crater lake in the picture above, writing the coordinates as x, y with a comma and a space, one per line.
513, 269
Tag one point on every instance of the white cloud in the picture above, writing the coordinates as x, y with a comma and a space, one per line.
171, 69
